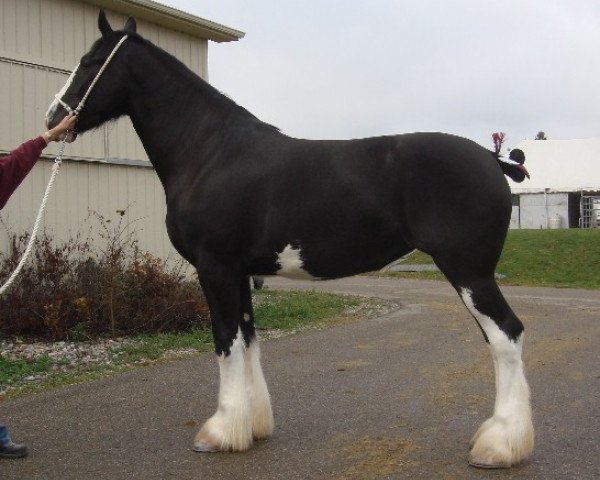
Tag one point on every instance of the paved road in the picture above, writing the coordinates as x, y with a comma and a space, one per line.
392, 397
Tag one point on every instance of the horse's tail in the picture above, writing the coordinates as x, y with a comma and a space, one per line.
513, 166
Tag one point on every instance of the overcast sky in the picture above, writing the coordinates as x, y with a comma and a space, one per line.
349, 68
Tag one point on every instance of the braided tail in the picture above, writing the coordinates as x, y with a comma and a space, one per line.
513, 166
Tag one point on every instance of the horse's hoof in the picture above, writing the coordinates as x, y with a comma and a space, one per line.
204, 448
489, 458
486, 466
498, 444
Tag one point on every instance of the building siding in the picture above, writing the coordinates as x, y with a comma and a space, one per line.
539, 211
82, 192
106, 170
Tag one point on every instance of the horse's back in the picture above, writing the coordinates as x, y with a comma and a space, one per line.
435, 177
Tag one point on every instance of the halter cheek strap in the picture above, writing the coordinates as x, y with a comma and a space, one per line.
64, 105
96, 78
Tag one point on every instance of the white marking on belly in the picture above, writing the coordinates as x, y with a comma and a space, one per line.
291, 264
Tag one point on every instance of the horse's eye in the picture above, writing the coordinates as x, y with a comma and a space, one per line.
89, 58
90, 61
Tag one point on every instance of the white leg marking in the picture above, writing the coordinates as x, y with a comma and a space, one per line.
262, 414
230, 428
507, 437
291, 264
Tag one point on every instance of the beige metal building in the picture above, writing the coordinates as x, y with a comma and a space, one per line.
105, 171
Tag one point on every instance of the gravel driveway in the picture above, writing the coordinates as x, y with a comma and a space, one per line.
397, 396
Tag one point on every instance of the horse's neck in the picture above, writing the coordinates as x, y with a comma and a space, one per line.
173, 111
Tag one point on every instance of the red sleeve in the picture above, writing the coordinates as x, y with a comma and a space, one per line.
15, 166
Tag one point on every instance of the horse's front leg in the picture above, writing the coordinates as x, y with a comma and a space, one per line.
260, 400
230, 428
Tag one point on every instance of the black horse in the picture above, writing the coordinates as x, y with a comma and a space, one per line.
244, 199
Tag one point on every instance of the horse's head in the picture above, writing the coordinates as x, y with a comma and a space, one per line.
104, 94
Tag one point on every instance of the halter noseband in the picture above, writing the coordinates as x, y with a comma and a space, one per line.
89, 90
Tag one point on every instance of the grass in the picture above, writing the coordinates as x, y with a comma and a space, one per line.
556, 258
297, 310
147, 348
12, 371
274, 310
543, 258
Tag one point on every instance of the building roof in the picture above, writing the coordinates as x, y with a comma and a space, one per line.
171, 18
560, 165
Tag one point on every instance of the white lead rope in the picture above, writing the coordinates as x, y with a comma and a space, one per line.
38, 220
55, 168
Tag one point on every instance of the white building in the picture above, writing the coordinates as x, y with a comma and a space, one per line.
564, 188
106, 170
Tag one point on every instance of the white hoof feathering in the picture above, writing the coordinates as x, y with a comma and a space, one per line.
500, 444
506, 438
244, 410
262, 414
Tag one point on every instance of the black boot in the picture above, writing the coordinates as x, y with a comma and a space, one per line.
13, 450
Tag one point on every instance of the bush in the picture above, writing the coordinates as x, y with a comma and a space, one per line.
76, 291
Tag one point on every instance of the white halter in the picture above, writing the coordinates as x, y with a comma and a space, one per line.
89, 90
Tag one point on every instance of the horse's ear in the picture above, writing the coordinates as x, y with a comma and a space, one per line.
103, 25
130, 25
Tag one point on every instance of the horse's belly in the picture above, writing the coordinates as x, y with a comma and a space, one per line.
326, 261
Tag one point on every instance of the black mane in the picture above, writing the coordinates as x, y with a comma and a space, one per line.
177, 67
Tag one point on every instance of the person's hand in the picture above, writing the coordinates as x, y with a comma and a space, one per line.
58, 133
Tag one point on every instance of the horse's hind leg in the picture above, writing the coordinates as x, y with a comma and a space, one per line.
506, 438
